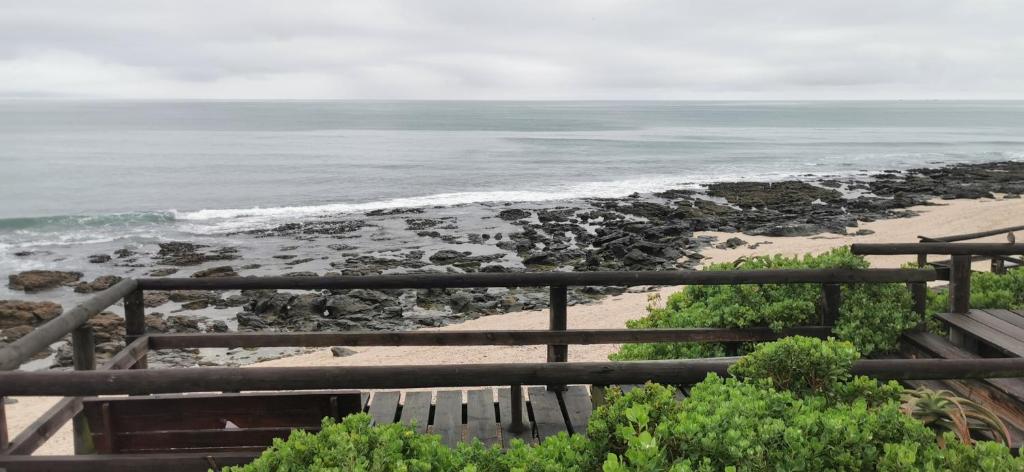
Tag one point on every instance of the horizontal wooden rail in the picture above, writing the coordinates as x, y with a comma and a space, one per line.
954, 249
477, 338
967, 236
17, 352
44, 427
159, 462
543, 279
140, 382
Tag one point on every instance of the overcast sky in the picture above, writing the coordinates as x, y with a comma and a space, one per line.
433, 49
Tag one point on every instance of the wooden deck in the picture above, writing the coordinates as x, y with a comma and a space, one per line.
486, 413
977, 334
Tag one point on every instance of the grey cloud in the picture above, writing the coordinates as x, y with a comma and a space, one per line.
445, 49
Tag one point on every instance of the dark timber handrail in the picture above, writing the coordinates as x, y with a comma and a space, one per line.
19, 351
555, 373
954, 249
477, 338
141, 382
968, 236
543, 279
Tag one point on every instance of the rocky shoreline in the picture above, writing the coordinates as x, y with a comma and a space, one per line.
638, 232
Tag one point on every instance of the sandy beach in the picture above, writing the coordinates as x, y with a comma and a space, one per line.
943, 218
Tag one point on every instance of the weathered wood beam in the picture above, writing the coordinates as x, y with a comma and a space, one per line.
966, 236
82, 383
954, 249
543, 279
53, 419
17, 352
477, 338
169, 462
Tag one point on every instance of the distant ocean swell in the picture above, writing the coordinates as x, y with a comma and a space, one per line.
90, 228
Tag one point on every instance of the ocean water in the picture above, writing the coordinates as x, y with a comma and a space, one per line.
79, 172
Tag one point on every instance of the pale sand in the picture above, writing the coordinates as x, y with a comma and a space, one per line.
948, 217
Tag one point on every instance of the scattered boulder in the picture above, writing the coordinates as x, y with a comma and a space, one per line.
339, 351
14, 313
99, 258
220, 271
39, 280
513, 214
98, 284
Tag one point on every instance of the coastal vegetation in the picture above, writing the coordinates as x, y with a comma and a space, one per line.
872, 316
789, 405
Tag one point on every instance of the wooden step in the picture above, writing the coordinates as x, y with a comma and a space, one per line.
988, 329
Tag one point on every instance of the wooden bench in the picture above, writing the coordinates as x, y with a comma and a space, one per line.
222, 422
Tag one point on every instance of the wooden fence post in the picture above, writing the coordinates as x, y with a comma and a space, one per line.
4, 439
960, 284
960, 298
558, 321
832, 297
998, 265
516, 397
83, 345
135, 321
919, 291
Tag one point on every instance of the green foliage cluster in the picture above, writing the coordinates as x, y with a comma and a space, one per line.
988, 290
799, 364
872, 316
817, 419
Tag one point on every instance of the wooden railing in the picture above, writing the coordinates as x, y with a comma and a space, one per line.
998, 262
959, 273
127, 373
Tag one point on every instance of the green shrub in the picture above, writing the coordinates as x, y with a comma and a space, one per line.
799, 364
732, 424
603, 428
353, 445
872, 316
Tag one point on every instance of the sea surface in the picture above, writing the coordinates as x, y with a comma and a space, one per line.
81, 177
80, 172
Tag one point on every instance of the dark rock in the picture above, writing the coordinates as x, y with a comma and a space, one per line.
731, 243
163, 272
38, 280
513, 214
99, 258
98, 284
15, 313
339, 351
220, 271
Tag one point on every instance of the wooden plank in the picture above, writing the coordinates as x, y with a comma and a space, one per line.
578, 407
953, 249
1008, 316
478, 338
997, 324
416, 410
200, 440
247, 410
22, 349
983, 332
937, 346
672, 372
384, 407
831, 295
547, 413
481, 421
180, 462
505, 413
547, 279
448, 416
35, 434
